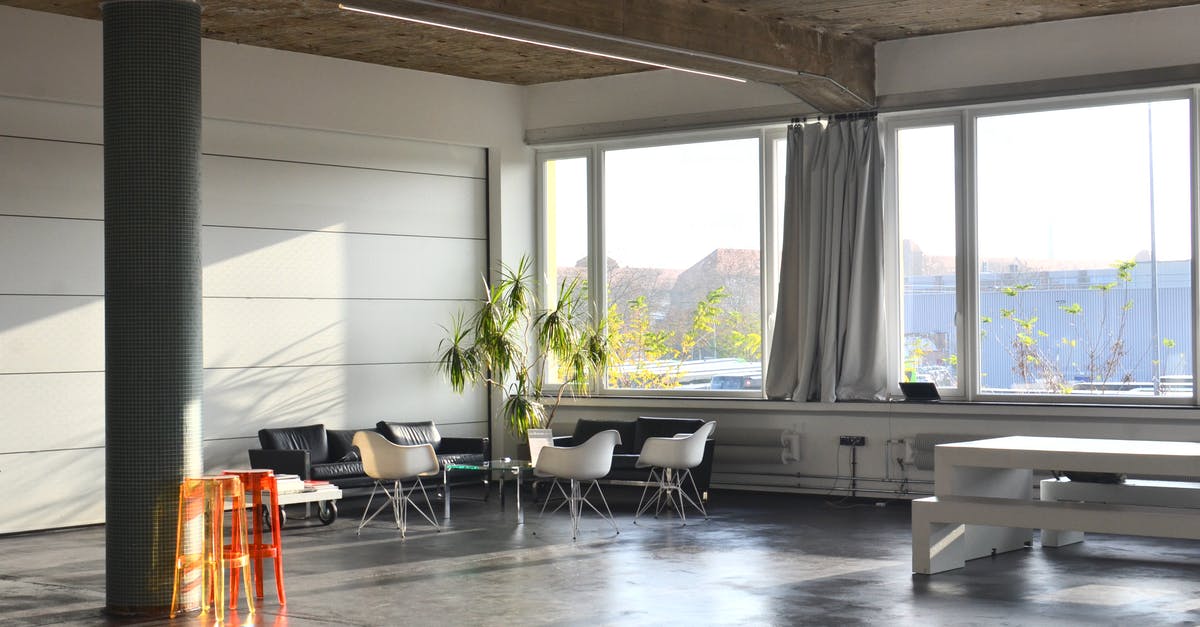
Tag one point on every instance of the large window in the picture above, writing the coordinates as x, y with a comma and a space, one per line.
1079, 239
680, 229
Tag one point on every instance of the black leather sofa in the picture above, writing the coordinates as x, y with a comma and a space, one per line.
314, 452
633, 434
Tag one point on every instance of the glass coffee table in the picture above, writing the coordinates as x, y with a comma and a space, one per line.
506, 466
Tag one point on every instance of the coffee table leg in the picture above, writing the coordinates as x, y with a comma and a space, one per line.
445, 493
520, 512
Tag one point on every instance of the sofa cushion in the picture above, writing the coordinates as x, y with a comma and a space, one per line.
341, 445
337, 470
462, 458
311, 438
409, 433
627, 461
585, 429
650, 427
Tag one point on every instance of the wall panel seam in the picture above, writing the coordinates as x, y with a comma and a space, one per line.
370, 233
347, 166
269, 159
35, 372
315, 365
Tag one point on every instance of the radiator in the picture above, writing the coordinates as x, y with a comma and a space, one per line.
919, 448
757, 446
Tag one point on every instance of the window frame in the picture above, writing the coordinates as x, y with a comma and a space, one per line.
598, 272
965, 120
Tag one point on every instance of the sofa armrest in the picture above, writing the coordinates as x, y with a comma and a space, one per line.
564, 440
466, 445
282, 461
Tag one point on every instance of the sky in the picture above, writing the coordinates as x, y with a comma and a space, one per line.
1059, 185
665, 206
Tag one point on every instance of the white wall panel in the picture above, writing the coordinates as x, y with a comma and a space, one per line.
48, 120
51, 178
275, 194
228, 454
251, 332
51, 334
51, 411
239, 402
267, 141
1064, 48
58, 489
265, 263
50, 256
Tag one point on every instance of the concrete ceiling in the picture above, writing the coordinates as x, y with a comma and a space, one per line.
819, 50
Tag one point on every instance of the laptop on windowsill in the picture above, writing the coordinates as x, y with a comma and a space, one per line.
920, 391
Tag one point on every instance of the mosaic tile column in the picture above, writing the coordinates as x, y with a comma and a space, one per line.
152, 293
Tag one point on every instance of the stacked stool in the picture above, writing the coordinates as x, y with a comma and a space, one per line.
203, 499
256, 482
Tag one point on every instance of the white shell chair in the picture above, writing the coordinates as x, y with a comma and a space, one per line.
389, 463
671, 461
586, 462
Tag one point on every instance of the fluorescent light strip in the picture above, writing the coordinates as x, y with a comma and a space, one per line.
542, 43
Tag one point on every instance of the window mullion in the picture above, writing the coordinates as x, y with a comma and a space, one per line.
597, 268
967, 258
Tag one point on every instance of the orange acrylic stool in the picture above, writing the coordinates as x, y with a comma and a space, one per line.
256, 482
204, 498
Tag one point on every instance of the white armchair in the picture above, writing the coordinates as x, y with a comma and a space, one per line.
586, 462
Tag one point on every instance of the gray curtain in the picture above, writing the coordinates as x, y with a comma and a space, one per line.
829, 342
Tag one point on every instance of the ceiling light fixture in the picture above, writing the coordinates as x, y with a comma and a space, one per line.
564, 29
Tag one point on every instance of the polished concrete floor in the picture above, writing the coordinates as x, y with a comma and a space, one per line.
762, 559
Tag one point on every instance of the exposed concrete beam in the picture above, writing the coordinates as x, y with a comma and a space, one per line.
831, 73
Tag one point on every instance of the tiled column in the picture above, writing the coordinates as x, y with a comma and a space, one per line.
152, 303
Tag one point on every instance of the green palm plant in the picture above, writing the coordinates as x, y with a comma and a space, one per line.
510, 342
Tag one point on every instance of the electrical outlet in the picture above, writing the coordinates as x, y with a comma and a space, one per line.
852, 440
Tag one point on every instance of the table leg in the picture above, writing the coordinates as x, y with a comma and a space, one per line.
502, 474
445, 493
520, 512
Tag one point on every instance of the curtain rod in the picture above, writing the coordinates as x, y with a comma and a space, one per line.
830, 117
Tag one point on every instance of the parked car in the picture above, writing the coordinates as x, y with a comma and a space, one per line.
736, 382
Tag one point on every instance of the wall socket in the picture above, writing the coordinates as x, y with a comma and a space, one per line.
852, 440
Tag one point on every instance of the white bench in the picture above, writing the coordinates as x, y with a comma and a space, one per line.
1176, 494
983, 496
938, 522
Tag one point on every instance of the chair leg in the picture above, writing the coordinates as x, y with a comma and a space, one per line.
431, 516
575, 509
699, 502
611, 520
566, 497
387, 501
401, 505
644, 505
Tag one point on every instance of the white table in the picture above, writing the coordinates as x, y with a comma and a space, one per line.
983, 495
326, 499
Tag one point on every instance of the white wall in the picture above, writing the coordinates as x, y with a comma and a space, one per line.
1100, 45
653, 99
333, 247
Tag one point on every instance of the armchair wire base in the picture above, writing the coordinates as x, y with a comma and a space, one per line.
400, 499
671, 493
575, 502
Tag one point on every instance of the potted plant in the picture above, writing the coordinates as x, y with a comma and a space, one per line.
511, 341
